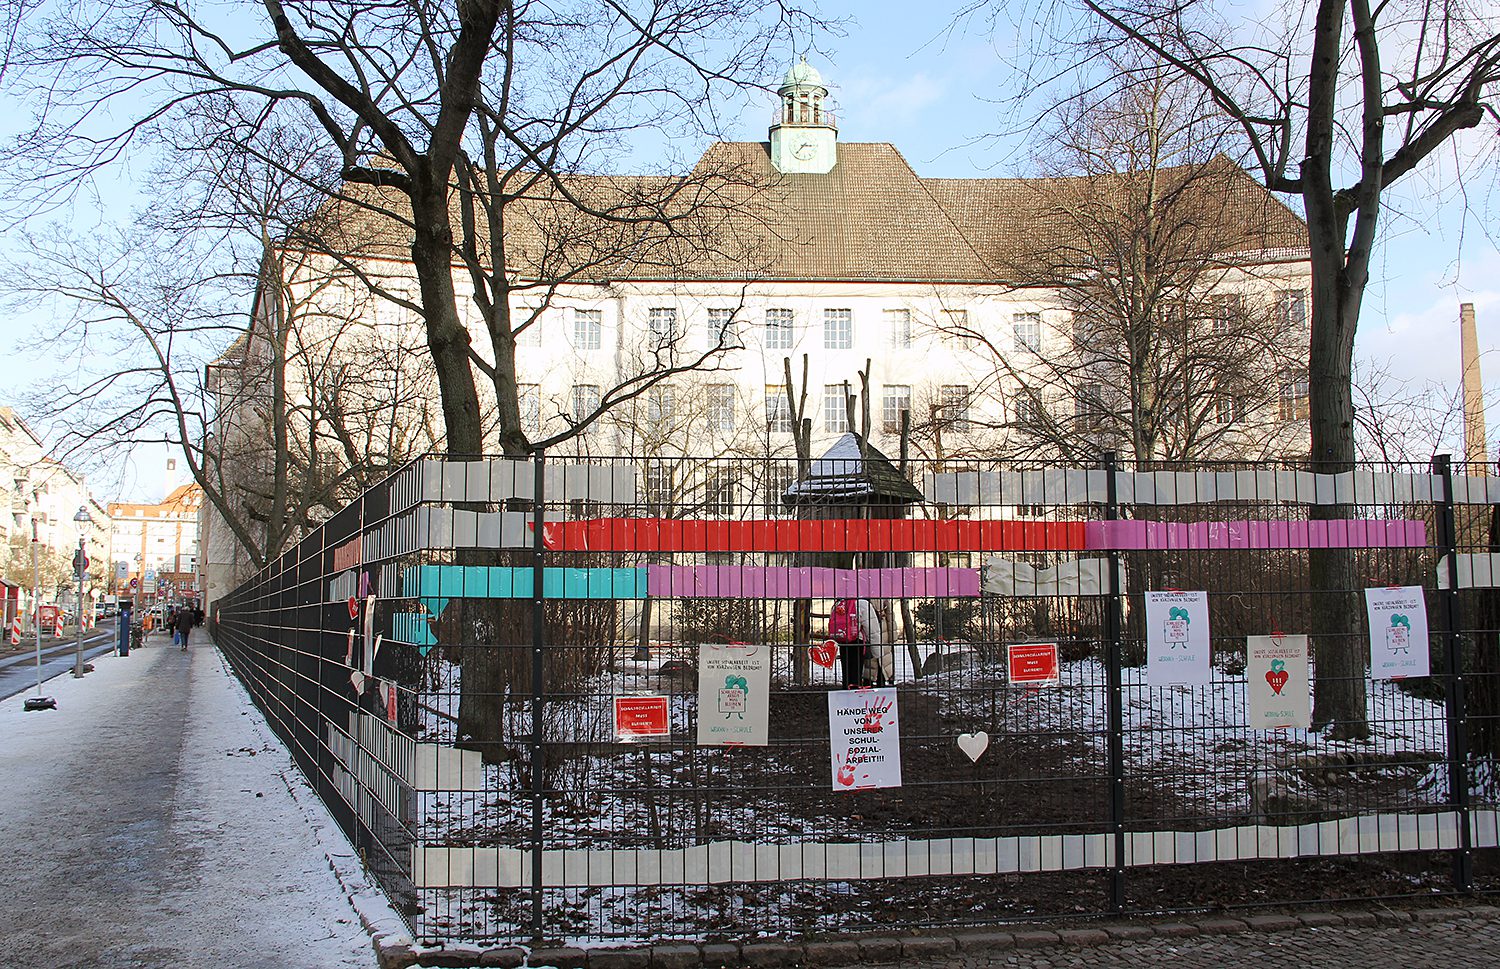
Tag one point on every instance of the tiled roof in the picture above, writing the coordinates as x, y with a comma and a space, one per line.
870, 219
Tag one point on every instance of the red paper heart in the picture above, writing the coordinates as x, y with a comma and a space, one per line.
353, 608
825, 654
1277, 679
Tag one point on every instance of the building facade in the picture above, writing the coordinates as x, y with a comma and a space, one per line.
154, 552
958, 299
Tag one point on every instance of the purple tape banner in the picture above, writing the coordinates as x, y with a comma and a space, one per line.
764, 582
1338, 533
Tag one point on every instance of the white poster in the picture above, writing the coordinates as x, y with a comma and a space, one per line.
1398, 632
865, 737
1177, 638
734, 686
1276, 670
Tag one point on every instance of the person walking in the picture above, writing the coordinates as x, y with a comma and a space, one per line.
183, 623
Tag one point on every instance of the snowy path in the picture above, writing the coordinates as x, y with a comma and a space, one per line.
148, 822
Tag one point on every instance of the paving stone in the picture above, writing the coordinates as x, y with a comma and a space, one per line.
1272, 923
880, 949
1083, 936
1174, 930
718, 954
1321, 920
843, 953
562, 958
679, 956
450, 958
619, 958
1129, 933
396, 956
925, 946
1434, 914
1220, 925
985, 941
506, 957
1488, 912
1034, 938
1363, 920
770, 954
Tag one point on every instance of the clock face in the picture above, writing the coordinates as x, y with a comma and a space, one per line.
804, 149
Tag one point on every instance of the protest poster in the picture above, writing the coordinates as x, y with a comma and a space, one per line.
1177, 638
641, 718
865, 739
1276, 671
734, 685
1032, 664
1398, 632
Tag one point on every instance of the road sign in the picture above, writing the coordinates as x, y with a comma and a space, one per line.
150, 576
135, 584
80, 561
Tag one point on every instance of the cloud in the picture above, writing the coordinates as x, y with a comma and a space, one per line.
883, 104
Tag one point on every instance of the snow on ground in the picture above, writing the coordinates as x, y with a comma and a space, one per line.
153, 819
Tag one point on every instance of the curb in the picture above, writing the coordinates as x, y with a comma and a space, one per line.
863, 950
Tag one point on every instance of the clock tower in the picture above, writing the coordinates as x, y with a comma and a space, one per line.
804, 139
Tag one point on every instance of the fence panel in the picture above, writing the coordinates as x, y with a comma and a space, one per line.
593, 699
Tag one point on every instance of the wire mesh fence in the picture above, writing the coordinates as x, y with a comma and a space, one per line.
597, 699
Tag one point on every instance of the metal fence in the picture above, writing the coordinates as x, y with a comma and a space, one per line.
507, 680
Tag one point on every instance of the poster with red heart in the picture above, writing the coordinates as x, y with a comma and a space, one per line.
1276, 671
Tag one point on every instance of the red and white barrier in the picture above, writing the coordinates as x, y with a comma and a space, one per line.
15, 630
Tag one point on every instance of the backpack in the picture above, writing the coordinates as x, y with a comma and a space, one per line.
843, 623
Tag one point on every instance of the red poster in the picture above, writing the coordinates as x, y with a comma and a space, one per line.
641, 716
1033, 664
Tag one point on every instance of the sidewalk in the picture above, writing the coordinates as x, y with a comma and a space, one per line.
153, 820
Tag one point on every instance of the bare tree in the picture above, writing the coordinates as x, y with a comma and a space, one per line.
1167, 349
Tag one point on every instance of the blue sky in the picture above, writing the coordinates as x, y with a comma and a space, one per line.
899, 76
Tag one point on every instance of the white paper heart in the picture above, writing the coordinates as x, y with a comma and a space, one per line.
974, 744
358, 679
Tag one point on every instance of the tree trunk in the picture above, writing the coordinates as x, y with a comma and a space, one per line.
1339, 648
447, 337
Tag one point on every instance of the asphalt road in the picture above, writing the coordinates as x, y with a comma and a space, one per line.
18, 671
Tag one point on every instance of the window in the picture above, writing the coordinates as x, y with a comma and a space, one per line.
658, 486
955, 400
1226, 409
527, 316
835, 417
661, 404
662, 323
897, 399
720, 493
1028, 328
723, 331
1291, 304
1029, 410
721, 408
1088, 403
838, 329
1228, 312
778, 410
1294, 400
529, 397
956, 319
585, 401
779, 324
1084, 331
898, 322
588, 329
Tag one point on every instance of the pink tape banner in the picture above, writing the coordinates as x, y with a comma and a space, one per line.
765, 582
1338, 533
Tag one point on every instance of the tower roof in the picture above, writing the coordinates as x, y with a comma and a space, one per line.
802, 74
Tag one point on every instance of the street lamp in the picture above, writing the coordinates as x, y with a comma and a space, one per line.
82, 563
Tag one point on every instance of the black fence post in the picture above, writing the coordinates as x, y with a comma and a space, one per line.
1114, 623
538, 630
1457, 706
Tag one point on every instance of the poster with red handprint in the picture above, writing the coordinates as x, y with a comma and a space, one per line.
865, 737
